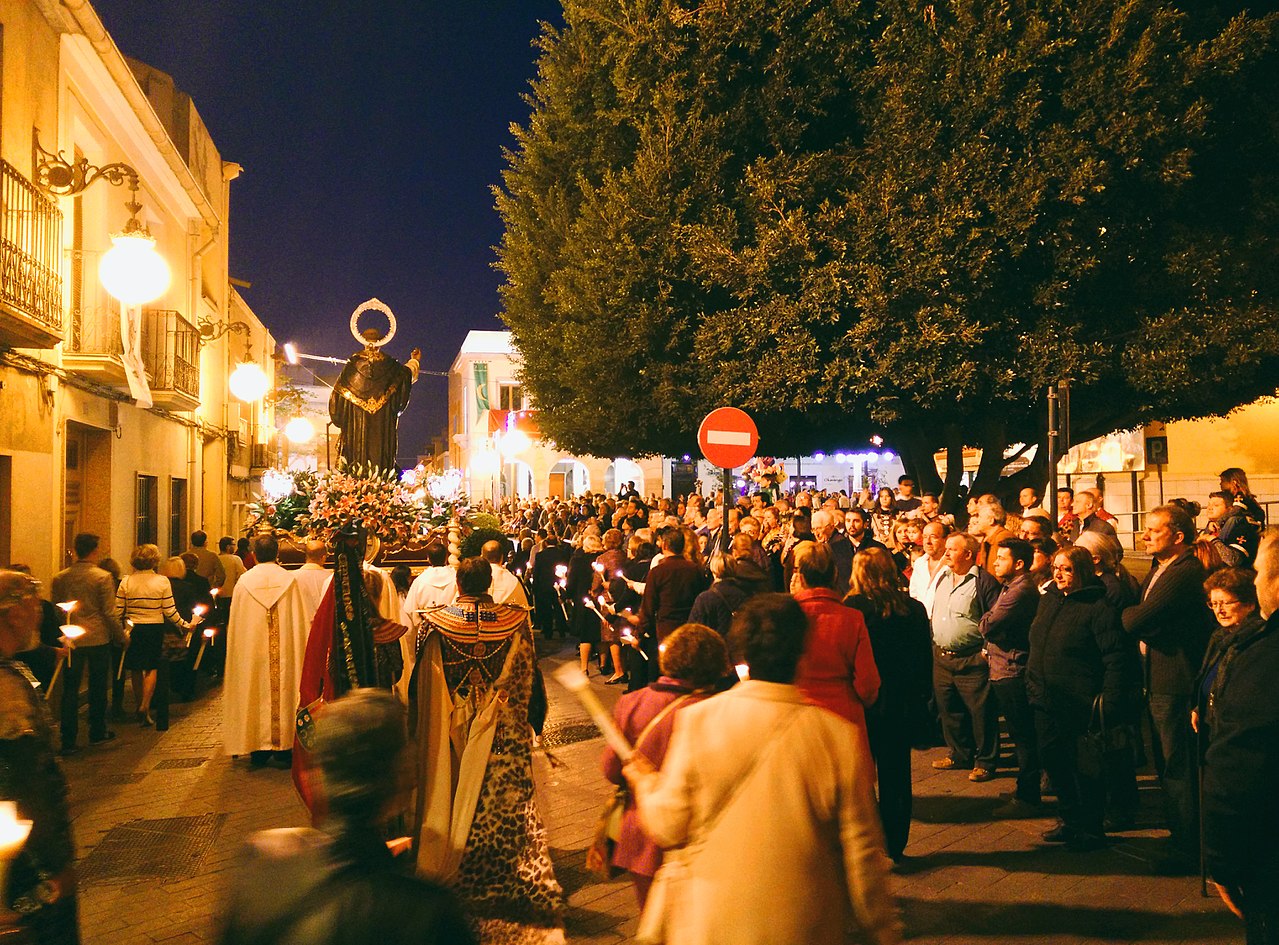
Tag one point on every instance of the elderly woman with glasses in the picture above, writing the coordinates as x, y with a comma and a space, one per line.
1232, 597
1078, 654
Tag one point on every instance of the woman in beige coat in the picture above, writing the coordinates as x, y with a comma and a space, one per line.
771, 801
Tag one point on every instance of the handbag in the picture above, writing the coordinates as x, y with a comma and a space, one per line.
608, 828
1102, 738
671, 875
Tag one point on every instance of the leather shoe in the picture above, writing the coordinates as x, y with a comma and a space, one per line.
69, 750
104, 737
981, 774
1059, 834
945, 764
1083, 842
1015, 808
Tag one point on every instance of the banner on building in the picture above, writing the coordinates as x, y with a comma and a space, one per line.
481, 387
134, 368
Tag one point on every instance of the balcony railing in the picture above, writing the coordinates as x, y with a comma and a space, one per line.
171, 352
95, 315
30, 244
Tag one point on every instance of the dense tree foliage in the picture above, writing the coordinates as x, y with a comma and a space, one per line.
849, 217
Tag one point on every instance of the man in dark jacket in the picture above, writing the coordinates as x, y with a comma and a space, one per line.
1241, 769
841, 549
1006, 627
672, 586
550, 612
1173, 623
343, 884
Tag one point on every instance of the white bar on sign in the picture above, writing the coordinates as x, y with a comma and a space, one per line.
728, 437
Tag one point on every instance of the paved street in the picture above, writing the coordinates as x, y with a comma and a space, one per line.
159, 818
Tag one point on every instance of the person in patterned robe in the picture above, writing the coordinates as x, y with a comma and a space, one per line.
38, 905
476, 825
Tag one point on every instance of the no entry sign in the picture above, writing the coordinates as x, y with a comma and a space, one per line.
728, 437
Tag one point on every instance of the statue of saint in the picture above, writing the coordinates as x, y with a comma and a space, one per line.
370, 395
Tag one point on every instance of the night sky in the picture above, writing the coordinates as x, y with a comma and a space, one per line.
370, 136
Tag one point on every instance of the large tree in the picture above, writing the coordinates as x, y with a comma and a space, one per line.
849, 217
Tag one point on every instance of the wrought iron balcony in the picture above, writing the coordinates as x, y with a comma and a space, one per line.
95, 346
171, 353
30, 265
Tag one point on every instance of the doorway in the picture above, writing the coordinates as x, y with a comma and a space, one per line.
86, 498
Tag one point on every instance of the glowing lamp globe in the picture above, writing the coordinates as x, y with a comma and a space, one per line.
132, 271
299, 430
249, 382
515, 442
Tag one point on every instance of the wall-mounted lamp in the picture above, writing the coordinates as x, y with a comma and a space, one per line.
131, 271
248, 381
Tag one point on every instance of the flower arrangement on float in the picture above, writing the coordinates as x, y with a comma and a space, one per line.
400, 510
767, 474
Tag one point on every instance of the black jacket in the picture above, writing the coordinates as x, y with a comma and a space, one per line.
715, 606
903, 648
1241, 768
1174, 622
1078, 651
301, 886
544, 565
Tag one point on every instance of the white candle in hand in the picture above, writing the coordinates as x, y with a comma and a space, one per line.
571, 678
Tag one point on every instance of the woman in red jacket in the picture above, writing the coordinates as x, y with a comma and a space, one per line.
837, 670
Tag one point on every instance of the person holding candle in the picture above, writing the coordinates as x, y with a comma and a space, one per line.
144, 599
693, 661
38, 903
813, 861
92, 590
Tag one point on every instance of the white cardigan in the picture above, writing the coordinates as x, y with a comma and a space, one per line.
799, 850
146, 597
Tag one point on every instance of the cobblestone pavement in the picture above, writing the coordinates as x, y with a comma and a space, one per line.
159, 818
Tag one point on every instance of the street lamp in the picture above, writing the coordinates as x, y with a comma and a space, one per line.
248, 381
299, 430
131, 271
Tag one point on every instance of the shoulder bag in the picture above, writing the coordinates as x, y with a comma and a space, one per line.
608, 829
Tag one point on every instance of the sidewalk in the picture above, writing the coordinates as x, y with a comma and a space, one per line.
159, 818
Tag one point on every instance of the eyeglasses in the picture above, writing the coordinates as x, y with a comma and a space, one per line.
1223, 604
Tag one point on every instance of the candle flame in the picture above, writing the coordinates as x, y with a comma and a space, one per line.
67, 606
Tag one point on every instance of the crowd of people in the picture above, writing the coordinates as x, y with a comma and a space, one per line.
781, 653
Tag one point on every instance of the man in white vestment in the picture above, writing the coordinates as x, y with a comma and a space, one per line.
506, 588
434, 587
313, 578
266, 641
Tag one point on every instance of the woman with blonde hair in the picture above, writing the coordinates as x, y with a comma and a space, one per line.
1122, 589
901, 640
143, 602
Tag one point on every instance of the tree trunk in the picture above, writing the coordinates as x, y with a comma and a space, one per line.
917, 453
954, 470
994, 443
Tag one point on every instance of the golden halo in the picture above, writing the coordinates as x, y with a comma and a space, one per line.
377, 306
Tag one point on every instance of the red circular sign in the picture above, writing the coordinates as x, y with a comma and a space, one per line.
728, 437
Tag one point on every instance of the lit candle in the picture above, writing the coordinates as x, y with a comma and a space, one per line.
13, 834
205, 639
597, 566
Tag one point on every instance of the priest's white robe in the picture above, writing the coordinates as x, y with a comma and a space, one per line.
433, 587
507, 589
312, 580
266, 641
